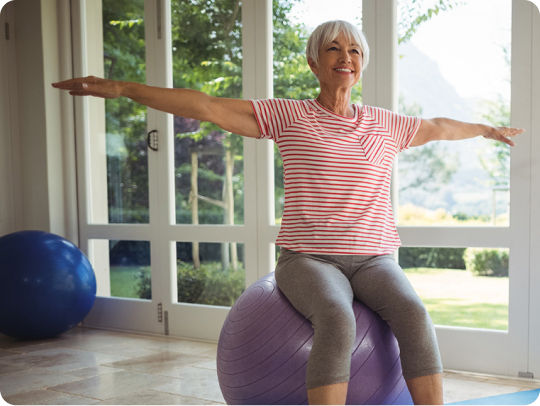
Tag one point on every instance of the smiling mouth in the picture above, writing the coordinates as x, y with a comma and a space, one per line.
345, 70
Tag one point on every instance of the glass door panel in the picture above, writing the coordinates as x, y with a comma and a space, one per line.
130, 269
125, 121
293, 23
114, 168
124, 271
207, 56
210, 273
462, 287
462, 74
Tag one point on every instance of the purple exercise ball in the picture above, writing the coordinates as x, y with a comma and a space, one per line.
265, 343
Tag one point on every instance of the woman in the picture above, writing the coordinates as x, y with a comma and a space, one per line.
338, 232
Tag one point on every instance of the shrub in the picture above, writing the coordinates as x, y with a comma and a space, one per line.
223, 286
191, 282
422, 257
144, 285
487, 261
210, 284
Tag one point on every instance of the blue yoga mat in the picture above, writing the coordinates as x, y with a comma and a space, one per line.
517, 398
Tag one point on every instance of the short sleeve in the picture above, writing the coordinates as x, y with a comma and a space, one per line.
404, 128
275, 115
400, 128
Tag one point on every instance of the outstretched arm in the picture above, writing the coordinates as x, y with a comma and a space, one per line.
232, 115
448, 129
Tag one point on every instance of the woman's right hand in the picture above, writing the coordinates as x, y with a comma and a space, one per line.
232, 115
91, 86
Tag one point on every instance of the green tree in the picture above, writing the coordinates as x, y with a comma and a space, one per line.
426, 167
124, 57
413, 13
207, 55
496, 158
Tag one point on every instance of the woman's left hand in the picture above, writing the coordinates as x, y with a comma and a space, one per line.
503, 134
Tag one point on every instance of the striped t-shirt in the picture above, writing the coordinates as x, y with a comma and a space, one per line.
337, 173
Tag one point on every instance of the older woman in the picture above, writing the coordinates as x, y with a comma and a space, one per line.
337, 233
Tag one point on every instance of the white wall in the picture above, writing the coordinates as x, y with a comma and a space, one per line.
37, 154
37, 180
10, 216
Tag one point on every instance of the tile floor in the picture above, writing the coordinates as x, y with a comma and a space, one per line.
89, 366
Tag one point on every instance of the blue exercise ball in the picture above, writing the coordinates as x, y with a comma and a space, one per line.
47, 285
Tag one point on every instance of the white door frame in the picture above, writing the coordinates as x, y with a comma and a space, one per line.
468, 348
507, 353
94, 232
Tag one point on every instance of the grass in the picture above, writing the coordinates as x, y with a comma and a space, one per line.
456, 298
452, 297
124, 281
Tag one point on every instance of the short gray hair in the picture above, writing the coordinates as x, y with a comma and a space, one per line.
328, 31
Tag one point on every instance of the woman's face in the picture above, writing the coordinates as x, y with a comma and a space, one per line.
340, 63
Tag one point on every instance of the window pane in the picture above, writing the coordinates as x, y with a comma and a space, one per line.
210, 273
462, 74
209, 168
293, 21
461, 287
122, 268
127, 163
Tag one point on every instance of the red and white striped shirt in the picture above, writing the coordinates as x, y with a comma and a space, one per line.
337, 173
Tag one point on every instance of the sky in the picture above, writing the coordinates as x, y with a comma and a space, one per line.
466, 42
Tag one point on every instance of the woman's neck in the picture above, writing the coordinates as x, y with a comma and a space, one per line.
338, 102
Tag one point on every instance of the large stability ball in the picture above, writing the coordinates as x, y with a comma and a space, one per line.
47, 285
265, 343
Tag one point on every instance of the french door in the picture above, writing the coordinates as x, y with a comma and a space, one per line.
169, 212
179, 217
469, 198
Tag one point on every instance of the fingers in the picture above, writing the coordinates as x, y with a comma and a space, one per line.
88, 86
76, 87
504, 134
511, 132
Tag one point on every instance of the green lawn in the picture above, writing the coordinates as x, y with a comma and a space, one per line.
452, 297
124, 281
457, 298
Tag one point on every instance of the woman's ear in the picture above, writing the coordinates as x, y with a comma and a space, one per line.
313, 66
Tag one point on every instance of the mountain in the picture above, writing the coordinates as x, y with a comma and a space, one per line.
420, 82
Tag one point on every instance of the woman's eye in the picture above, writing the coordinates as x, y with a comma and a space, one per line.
356, 51
332, 49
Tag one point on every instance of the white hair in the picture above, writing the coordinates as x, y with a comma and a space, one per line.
329, 31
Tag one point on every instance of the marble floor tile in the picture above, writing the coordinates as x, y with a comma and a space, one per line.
458, 387
153, 397
166, 363
92, 371
185, 346
210, 364
60, 359
31, 379
5, 353
195, 382
19, 346
7, 368
49, 397
115, 384
91, 366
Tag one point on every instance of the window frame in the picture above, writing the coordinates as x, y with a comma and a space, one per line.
259, 230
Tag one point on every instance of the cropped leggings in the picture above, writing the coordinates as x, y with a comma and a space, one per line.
322, 287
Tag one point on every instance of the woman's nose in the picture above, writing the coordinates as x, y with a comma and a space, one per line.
344, 57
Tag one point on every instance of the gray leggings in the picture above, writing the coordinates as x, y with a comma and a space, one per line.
322, 287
